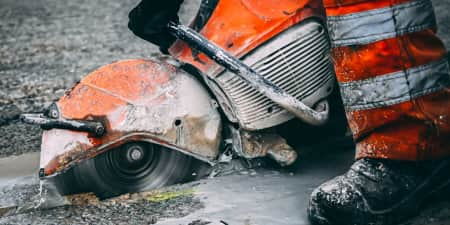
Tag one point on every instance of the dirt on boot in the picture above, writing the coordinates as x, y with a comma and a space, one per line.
378, 192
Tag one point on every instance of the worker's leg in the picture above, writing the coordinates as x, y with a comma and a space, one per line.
394, 77
394, 80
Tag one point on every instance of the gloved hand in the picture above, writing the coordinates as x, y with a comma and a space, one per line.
148, 21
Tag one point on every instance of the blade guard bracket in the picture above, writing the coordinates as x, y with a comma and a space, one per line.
51, 120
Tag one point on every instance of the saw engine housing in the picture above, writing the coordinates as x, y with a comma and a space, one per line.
291, 50
296, 60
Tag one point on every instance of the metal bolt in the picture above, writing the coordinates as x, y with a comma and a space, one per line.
136, 154
41, 173
54, 114
100, 130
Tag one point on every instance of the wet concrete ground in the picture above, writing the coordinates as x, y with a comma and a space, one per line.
250, 196
246, 197
47, 45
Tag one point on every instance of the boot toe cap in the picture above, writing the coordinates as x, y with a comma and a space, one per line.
335, 202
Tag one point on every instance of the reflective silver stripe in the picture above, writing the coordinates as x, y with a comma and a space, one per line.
394, 88
374, 25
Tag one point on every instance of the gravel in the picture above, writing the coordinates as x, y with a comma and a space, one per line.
138, 209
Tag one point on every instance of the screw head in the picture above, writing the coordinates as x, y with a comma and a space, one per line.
53, 114
100, 130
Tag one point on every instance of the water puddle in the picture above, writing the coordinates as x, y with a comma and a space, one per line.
21, 190
48, 197
14, 167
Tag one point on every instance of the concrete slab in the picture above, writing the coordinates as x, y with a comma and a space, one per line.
265, 196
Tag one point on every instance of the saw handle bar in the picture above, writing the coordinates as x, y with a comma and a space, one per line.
47, 123
253, 78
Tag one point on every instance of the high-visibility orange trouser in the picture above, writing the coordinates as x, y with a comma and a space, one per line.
394, 77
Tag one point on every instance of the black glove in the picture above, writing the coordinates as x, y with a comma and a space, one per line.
149, 20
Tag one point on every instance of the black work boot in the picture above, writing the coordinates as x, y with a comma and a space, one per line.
377, 192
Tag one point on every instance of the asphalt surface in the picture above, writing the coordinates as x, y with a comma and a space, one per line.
47, 45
